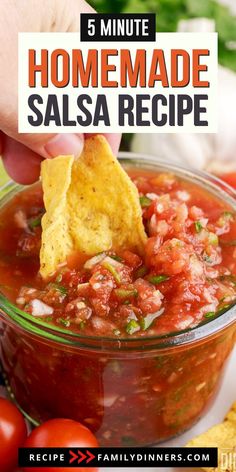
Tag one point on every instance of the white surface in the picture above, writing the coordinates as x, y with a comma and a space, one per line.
226, 397
229, 3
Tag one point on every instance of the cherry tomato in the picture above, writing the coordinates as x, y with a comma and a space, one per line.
61, 433
13, 433
230, 179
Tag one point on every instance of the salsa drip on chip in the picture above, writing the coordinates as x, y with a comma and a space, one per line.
91, 206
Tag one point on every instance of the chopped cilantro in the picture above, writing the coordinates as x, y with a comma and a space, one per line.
48, 319
207, 259
59, 288
34, 222
141, 272
82, 324
113, 271
145, 201
198, 226
223, 308
126, 293
209, 314
228, 215
64, 322
213, 239
116, 258
157, 279
59, 278
225, 217
132, 327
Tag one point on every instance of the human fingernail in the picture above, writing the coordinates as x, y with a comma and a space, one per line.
62, 144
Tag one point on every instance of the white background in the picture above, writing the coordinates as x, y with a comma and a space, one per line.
226, 397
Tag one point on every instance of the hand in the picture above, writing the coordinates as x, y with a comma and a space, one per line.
23, 153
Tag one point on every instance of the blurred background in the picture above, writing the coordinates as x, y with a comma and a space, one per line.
215, 152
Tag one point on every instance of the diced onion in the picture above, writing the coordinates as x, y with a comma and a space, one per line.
30, 291
108, 400
20, 301
148, 320
90, 263
185, 323
195, 266
183, 195
101, 324
20, 219
113, 262
40, 309
200, 386
80, 305
152, 196
203, 222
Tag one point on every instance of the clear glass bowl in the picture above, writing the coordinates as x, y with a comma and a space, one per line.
128, 391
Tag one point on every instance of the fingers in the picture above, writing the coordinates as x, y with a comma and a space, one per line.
22, 153
22, 159
63, 144
63, 16
22, 164
114, 141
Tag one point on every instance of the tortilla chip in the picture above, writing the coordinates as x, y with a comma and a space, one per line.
231, 415
91, 206
56, 241
222, 436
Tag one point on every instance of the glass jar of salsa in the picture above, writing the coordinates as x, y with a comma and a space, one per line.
136, 378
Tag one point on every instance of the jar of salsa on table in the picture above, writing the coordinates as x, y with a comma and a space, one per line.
133, 347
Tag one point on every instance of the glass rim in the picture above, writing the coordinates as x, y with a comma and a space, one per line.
205, 329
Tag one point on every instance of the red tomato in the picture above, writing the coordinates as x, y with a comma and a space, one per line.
13, 433
230, 179
61, 433
133, 260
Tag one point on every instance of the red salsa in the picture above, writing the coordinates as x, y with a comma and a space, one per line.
129, 393
187, 275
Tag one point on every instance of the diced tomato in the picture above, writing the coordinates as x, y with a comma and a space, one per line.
173, 257
102, 284
131, 259
71, 277
190, 241
152, 247
149, 299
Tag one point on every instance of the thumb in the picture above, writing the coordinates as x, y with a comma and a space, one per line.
62, 15
23, 164
51, 145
